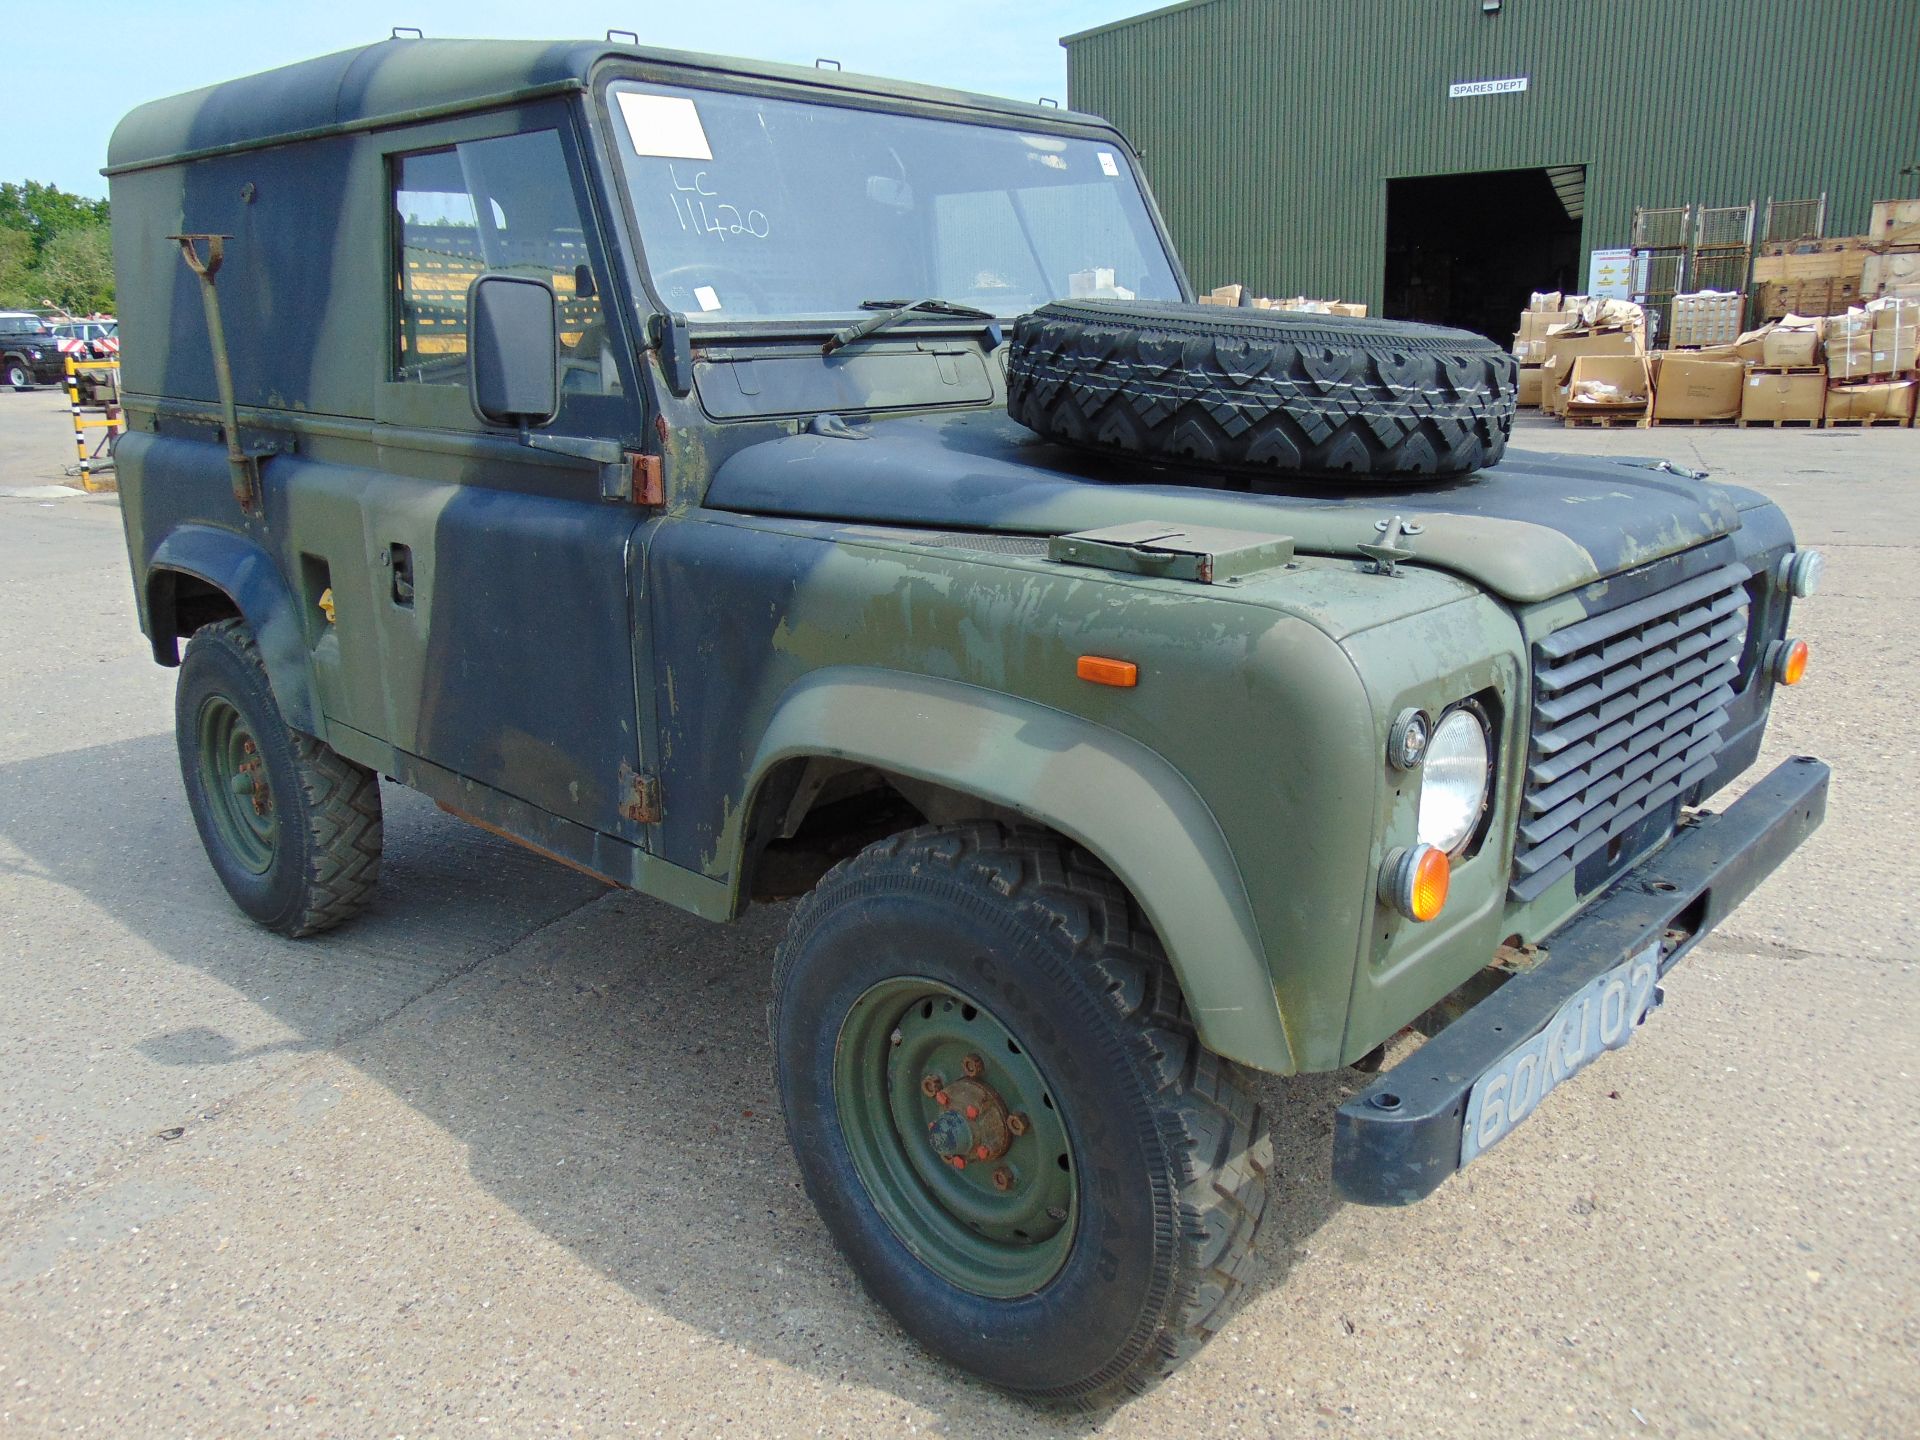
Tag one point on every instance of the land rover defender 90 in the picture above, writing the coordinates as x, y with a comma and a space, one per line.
748, 483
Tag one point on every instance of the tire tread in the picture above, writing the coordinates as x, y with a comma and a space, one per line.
1200, 1104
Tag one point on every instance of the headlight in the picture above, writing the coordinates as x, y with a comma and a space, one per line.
1453, 786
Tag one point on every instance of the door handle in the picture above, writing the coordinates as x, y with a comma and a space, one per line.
400, 557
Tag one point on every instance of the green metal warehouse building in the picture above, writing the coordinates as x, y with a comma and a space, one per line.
1438, 159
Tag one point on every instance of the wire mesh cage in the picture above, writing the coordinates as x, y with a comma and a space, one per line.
1790, 220
1667, 227
1723, 226
1720, 269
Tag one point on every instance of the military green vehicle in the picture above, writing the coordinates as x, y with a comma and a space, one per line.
744, 482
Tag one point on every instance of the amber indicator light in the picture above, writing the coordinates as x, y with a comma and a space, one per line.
1432, 873
1793, 664
1102, 671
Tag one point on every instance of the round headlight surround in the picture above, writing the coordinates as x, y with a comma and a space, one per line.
1456, 778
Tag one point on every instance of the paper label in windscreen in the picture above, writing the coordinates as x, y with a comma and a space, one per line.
707, 297
1108, 164
664, 125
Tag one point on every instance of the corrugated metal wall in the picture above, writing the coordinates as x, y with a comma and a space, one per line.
1270, 127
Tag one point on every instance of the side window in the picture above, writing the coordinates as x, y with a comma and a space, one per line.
503, 205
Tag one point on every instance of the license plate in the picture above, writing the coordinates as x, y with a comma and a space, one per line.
1602, 1016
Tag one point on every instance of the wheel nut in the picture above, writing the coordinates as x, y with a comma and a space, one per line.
982, 1151
973, 1112
959, 1162
973, 1065
930, 1086
1003, 1179
940, 1099
1016, 1124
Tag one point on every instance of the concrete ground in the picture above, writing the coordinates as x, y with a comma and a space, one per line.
503, 1157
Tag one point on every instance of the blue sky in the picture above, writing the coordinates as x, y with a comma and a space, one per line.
72, 70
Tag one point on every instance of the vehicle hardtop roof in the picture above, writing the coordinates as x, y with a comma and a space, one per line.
402, 80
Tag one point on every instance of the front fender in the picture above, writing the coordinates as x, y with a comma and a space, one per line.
248, 575
1120, 800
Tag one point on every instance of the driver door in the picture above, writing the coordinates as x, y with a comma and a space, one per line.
500, 572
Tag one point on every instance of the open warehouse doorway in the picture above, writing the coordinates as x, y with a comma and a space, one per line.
1467, 249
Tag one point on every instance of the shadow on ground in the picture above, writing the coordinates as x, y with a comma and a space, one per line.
610, 1076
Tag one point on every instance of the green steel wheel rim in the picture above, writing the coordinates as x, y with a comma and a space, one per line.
233, 773
914, 1056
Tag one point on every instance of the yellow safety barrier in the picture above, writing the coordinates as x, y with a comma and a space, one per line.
112, 419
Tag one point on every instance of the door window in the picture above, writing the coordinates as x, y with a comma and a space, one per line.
504, 205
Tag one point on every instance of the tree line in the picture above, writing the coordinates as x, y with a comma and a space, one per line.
55, 253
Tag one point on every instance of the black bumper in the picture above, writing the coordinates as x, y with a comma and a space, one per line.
1395, 1141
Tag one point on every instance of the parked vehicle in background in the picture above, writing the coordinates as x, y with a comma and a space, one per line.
95, 338
745, 482
30, 351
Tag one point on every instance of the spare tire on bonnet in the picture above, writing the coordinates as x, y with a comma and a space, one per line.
1270, 391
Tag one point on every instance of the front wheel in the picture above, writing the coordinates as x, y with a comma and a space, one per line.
19, 376
292, 828
1001, 1110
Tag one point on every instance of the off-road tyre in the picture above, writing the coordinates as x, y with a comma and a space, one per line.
325, 854
19, 376
1271, 392
1173, 1188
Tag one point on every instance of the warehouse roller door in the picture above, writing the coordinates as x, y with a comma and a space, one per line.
1467, 249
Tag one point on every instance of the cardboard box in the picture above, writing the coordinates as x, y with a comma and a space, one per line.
1751, 345
1534, 324
1783, 397
1781, 345
1895, 222
1531, 385
1608, 384
1896, 332
1563, 349
1889, 400
1698, 387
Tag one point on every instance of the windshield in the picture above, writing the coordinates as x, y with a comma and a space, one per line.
756, 207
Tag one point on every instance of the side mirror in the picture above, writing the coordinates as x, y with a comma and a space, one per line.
513, 350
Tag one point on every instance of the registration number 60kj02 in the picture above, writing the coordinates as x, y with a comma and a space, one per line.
1602, 1015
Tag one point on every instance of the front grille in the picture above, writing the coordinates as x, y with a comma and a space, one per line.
1628, 707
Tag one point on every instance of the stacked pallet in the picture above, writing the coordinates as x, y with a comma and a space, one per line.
1872, 359
1556, 330
1828, 277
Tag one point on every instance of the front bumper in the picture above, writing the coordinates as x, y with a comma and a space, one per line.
1395, 1141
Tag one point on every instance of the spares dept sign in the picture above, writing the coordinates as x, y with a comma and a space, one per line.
1467, 89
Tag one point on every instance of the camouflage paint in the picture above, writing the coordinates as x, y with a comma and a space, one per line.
886, 600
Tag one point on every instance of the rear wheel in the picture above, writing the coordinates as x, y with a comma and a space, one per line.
292, 828
1002, 1112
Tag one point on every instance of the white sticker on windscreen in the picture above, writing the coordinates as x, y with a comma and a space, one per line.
1107, 164
708, 297
664, 125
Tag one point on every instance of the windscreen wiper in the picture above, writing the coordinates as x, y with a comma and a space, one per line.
894, 311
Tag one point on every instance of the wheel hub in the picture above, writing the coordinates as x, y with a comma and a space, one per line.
957, 1136
972, 1124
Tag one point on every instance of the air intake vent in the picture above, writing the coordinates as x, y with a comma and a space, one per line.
1628, 711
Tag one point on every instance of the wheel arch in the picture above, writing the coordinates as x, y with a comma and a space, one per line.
1123, 802
197, 567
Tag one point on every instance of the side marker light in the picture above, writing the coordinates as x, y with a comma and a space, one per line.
1102, 671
